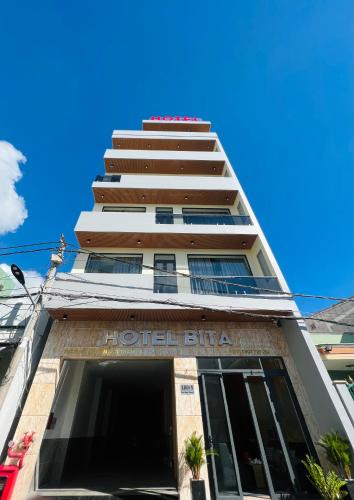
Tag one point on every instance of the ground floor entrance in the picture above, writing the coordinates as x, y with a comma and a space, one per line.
254, 425
110, 430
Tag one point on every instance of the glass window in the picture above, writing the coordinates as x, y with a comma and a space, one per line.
114, 263
240, 209
263, 264
124, 209
272, 364
231, 274
164, 279
164, 215
208, 363
240, 363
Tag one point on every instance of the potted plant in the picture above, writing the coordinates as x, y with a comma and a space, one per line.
329, 485
338, 454
195, 457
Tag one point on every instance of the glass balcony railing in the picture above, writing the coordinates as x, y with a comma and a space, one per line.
217, 220
108, 178
234, 285
351, 389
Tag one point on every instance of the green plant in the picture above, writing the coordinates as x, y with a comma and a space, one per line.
194, 454
337, 452
328, 485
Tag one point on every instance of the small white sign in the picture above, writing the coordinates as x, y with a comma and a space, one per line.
187, 389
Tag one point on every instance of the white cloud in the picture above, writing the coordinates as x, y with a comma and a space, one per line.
12, 206
32, 278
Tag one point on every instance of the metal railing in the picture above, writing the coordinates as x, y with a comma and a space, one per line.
234, 285
351, 389
108, 178
207, 219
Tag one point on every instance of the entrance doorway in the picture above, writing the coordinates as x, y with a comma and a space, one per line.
253, 423
110, 429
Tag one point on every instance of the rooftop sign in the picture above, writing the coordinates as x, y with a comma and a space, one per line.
176, 118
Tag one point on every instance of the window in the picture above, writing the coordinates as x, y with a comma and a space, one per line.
223, 265
124, 209
207, 216
115, 263
240, 209
108, 178
228, 274
164, 215
164, 282
263, 264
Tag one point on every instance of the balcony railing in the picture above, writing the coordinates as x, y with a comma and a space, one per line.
217, 220
234, 285
108, 178
351, 389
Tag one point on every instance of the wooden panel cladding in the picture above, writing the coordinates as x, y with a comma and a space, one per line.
167, 144
156, 314
175, 125
93, 239
156, 166
164, 196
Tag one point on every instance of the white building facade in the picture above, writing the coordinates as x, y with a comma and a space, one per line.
174, 319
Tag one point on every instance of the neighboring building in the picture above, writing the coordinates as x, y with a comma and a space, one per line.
335, 343
167, 325
21, 344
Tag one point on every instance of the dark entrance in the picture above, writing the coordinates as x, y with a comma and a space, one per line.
111, 429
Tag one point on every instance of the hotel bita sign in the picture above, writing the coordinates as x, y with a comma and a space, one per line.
165, 338
176, 118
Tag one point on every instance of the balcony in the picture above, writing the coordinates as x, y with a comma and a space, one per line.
159, 297
203, 219
173, 190
234, 285
164, 162
140, 230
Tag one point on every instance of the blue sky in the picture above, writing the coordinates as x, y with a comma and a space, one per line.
275, 78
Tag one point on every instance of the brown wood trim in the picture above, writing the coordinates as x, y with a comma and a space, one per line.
157, 166
158, 314
171, 196
175, 125
162, 240
160, 144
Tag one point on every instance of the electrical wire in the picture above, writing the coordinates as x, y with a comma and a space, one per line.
112, 298
31, 245
204, 278
29, 251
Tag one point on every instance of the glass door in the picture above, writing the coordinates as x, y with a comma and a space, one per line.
274, 455
242, 428
225, 473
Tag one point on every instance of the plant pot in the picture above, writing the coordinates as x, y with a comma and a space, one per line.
198, 489
350, 488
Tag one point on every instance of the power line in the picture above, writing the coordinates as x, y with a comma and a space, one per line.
204, 278
28, 251
31, 245
113, 298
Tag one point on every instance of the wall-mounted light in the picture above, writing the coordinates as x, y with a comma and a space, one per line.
192, 242
327, 348
65, 317
132, 317
243, 244
203, 318
88, 241
139, 242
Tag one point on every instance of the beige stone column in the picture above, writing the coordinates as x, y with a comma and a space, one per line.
34, 418
188, 419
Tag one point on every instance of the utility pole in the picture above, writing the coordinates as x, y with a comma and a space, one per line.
29, 350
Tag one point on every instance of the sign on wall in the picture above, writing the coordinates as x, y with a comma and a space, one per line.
176, 118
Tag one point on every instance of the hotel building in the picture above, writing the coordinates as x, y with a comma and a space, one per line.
175, 318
